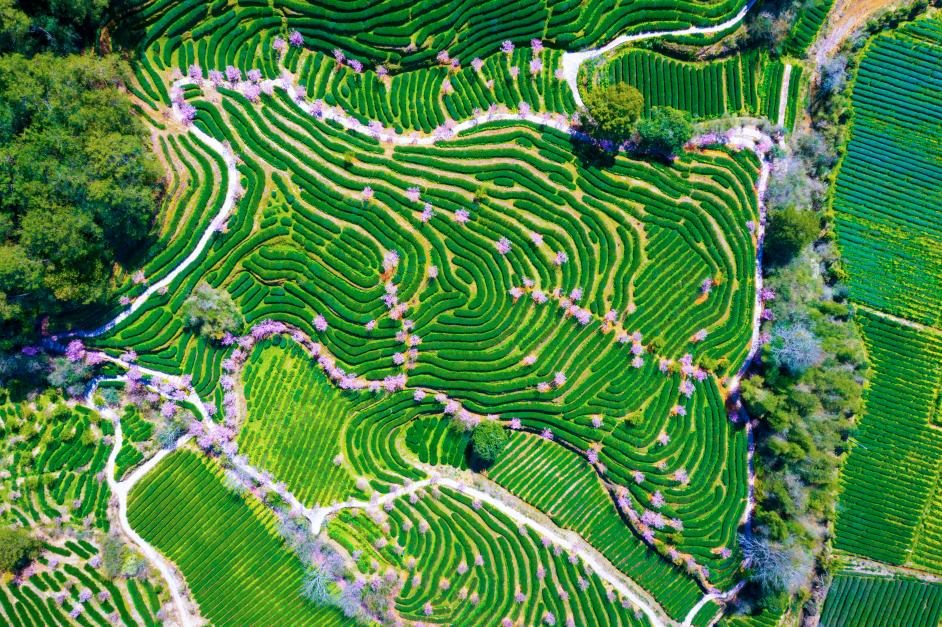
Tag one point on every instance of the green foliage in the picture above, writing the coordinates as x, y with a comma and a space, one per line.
664, 132
856, 600
488, 439
887, 199
211, 312
611, 111
17, 549
60, 26
184, 509
806, 396
547, 476
79, 184
788, 232
14, 26
112, 555
294, 416
69, 376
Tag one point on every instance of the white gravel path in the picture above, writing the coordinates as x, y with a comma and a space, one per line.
783, 95
185, 616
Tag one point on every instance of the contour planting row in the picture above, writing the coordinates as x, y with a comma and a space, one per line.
400, 35
810, 18
328, 170
66, 587
422, 100
404, 262
55, 457
567, 489
887, 198
638, 239
467, 563
662, 461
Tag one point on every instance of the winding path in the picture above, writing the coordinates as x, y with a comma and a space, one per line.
745, 137
121, 489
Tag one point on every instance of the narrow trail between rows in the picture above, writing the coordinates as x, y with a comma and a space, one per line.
745, 137
783, 95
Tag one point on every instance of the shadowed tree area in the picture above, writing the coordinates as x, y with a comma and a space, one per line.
79, 183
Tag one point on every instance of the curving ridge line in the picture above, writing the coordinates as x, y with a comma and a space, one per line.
572, 61
743, 138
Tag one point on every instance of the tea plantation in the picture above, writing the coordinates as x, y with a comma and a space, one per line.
886, 205
417, 241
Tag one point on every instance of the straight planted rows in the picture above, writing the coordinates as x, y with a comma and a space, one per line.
860, 600
235, 564
747, 84
887, 196
892, 472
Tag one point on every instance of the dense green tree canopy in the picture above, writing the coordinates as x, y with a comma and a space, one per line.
79, 184
17, 549
61, 26
611, 111
788, 232
664, 132
488, 440
211, 312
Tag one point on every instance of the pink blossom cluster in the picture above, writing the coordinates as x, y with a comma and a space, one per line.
233, 74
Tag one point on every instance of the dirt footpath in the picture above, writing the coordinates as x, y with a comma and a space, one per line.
845, 17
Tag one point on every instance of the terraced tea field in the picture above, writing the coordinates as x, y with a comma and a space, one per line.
454, 550
616, 229
887, 195
898, 448
749, 84
54, 461
294, 416
235, 563
397, 204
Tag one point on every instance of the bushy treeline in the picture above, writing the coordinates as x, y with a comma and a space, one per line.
79, 182
805, 390
612, 116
